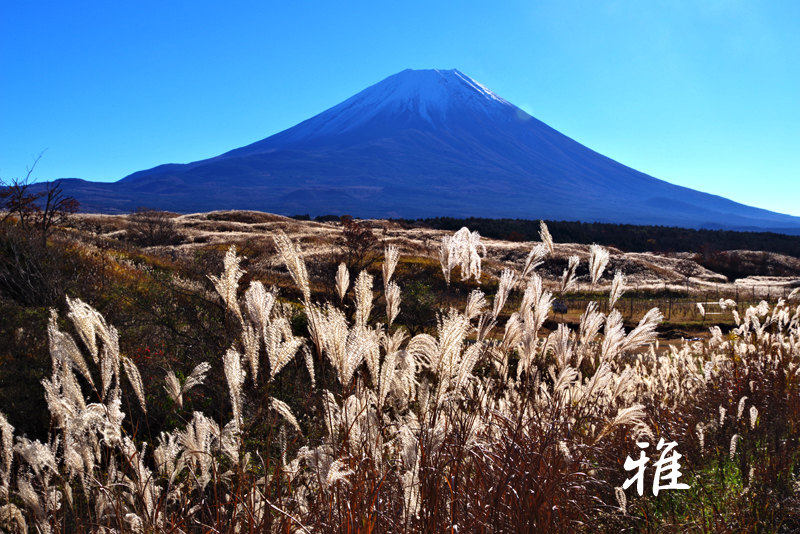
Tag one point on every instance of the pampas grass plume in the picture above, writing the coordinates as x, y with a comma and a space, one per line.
598, 259
547, 239
617, 288
342, 281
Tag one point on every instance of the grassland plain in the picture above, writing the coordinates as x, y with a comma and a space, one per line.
239, 379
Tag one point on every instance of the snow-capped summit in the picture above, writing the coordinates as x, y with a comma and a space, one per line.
409, 99
425, 143
423, 93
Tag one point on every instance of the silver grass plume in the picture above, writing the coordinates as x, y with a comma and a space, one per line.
403, 387
259, 303
283, 443
228, 282
475, 304
36, 454
411, 492
537, 304
392, 293
343, 347
232, 363
535, 258
391, 256
565, 380
251, 344
64, 345
166, 454
591, 322
701, 436
467, 364
513, 332
600, 382
391, 343
174, 388
342, 281
533, 291
446, 257
547, 239
568, 277
332, 413
598, 259
466, 245
386, 376
89, 324
297, 267
740, 411
529, 344
507, 280
753, 417
132, 372
701, 309
12, 520
7, 456
617, 288
452, 330
423, 348
62, 392
280, 344
363, 291
336, 473
645, 331
794, 294
136, 523
109, 368
283, 409
563, 347
622, 500
112, 427
632, 415
614, 336
32, 501
309, 359
734, 441
485, 324
317, 319
370, 345
197, 439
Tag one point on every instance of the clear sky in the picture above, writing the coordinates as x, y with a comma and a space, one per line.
701, 93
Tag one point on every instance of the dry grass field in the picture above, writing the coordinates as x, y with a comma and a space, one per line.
246, 372
645, 271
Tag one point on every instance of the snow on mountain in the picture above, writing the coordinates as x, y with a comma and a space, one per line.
427, 94
398, 101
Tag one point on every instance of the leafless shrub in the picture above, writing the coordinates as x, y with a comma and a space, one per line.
152, 228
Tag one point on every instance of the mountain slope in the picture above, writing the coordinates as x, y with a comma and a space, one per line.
424, 143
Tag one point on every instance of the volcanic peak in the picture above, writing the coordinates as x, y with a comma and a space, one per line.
428, 95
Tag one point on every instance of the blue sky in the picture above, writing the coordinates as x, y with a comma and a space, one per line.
703, 93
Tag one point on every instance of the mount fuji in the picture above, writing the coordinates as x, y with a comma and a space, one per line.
424, 143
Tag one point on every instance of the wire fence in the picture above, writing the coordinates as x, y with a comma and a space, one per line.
674, 305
